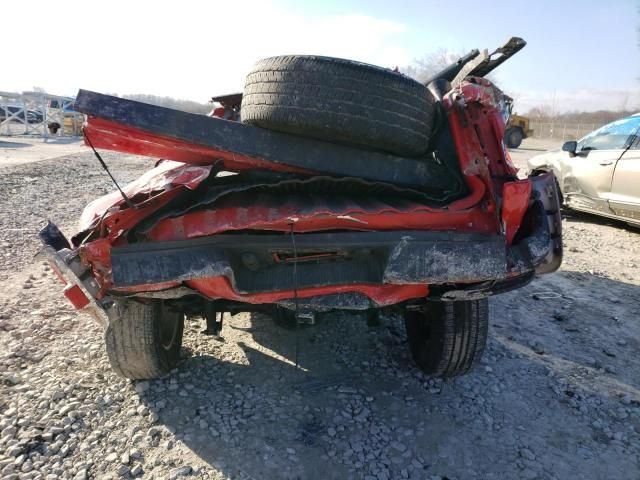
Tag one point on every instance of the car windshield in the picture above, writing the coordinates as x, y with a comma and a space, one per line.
612, 136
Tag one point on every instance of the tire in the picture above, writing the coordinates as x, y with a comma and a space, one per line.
144, 341
448, 338
339, 101
514, 137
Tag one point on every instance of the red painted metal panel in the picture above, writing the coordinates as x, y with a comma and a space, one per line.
115, 136
151, 191
312, 215
515, 201
219, 287
211, 222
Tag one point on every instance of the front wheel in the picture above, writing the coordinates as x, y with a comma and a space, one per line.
144, 341
448, 338
514, 137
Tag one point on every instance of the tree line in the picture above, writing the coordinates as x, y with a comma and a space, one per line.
545, 114
423, 68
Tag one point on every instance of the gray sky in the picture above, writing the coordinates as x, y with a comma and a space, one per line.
580, 55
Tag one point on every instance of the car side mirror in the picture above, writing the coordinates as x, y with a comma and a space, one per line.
570, 147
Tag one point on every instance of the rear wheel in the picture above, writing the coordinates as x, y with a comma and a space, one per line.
145, 340
448, 338
339, 101
514, 137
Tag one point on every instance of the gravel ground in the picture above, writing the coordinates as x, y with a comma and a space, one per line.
556, 396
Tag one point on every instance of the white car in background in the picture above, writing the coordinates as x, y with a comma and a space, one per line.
600, 173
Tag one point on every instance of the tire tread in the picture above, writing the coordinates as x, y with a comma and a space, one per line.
457, 339
341, 101
133, 342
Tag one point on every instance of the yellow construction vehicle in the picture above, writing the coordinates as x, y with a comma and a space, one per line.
517, 126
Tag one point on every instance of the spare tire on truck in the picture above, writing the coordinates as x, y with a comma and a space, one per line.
339, 101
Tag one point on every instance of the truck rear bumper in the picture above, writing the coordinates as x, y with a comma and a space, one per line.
257, 263
260, 268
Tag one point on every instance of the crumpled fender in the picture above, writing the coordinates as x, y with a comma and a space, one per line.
149, 190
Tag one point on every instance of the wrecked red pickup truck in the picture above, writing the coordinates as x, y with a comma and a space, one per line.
344, 186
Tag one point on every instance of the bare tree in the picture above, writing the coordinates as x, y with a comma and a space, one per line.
545, 114
427, 66
540, 113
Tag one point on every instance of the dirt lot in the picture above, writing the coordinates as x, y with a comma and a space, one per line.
557, 395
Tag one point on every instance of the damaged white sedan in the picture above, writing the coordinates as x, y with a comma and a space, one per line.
601, 172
